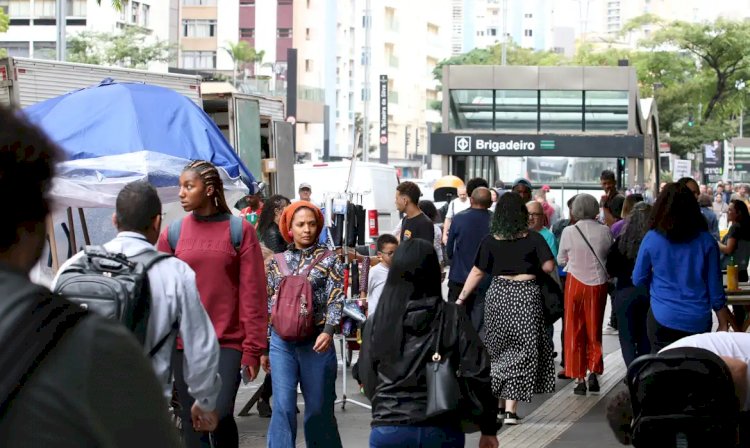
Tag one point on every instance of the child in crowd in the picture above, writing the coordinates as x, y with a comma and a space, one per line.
386, 246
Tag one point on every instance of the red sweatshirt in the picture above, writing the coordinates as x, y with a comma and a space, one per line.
232, 286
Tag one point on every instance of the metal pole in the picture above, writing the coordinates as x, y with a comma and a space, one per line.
367, 64
62, 42
742, 118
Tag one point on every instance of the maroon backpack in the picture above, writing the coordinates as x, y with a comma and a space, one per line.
292, 313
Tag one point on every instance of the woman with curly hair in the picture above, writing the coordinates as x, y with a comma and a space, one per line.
519, 348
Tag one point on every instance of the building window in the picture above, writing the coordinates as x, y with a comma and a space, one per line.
19, 8
307, 34
247, 33
45, 50
284, 32
561, 110
199, 2
285, 2
198, 59
528, 16
16, 49
308, 3
247, 2
198, 28
44, 8
146, 13
76, 8
606, 110
308, 65
492, 31
135, 12
4, 6
528, 33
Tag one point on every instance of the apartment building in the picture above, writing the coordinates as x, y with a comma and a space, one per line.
204, 29
32, 31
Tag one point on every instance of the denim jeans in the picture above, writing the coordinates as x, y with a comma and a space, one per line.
295, 363
416, 437
631, 306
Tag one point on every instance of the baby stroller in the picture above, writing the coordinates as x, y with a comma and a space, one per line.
682, 398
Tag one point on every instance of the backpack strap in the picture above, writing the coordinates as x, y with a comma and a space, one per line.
35, 335
283, 266
235, 231
305, 272
155, 349
173, 233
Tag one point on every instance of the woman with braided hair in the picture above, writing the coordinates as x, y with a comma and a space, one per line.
230, 276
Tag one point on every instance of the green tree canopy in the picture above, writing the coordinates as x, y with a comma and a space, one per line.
133, 47
242, 53
696, 72
4, 24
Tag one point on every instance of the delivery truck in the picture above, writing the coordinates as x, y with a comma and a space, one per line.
24, 81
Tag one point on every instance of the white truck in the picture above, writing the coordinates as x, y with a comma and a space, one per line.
24, 82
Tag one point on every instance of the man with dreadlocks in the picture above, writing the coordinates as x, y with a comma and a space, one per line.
231, 282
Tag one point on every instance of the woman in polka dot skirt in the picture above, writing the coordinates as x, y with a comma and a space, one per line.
520, 354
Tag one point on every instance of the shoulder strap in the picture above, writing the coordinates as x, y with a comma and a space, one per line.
283, 266
36, 334
590, 247
235, 231
439, 336
149, 258
317, 260
173, 233
155, 349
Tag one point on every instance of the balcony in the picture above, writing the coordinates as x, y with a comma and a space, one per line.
391, 24
392, 97
262, 86
392, 61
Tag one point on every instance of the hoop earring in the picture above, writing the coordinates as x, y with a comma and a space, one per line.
216, 201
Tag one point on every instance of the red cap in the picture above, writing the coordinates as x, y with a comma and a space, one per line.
545, 188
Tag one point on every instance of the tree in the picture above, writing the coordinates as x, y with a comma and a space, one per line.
4, 24
242, 53
117, 4
134, 47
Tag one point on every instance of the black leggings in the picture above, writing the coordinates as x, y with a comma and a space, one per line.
225, 435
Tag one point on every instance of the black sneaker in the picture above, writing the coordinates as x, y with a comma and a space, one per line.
580, 389
264, 409
593, 384
511, 418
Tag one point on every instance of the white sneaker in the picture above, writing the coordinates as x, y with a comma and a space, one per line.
610, 330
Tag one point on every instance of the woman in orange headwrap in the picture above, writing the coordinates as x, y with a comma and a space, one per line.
311, 362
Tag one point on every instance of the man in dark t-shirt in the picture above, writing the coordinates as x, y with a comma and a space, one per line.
415, 224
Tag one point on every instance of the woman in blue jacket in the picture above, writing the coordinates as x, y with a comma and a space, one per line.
679, 261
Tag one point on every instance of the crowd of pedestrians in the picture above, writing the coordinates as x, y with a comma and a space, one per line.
237, 294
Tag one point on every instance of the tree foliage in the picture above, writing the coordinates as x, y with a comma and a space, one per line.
117, 4
242, 53
694, 71
4, 24
134, 47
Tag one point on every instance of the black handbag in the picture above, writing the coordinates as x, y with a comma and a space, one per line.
443, 389
552, 297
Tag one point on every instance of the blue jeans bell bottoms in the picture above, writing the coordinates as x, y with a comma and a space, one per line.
294, 363
416, 437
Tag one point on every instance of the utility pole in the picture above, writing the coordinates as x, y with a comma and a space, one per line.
62, 42
367, 64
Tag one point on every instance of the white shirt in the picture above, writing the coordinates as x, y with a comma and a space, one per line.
576, 255
457, 206
375, 283
722, 343
174, 296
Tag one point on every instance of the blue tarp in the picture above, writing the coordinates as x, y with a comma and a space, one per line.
114, 133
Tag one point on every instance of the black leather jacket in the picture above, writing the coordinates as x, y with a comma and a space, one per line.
273, 240
398, 392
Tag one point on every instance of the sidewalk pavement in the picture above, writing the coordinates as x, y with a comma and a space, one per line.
551, 420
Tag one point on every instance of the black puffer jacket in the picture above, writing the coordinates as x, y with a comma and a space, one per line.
398, 390
273, 240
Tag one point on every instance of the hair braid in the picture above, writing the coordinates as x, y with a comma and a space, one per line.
209, 174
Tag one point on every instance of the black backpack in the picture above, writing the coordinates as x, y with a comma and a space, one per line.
682, 398
113, 286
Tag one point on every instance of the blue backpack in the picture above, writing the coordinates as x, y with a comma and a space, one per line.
235, 232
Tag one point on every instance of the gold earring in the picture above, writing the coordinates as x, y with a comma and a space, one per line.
216, 201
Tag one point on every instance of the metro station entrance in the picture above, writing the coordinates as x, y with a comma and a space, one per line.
559, 126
